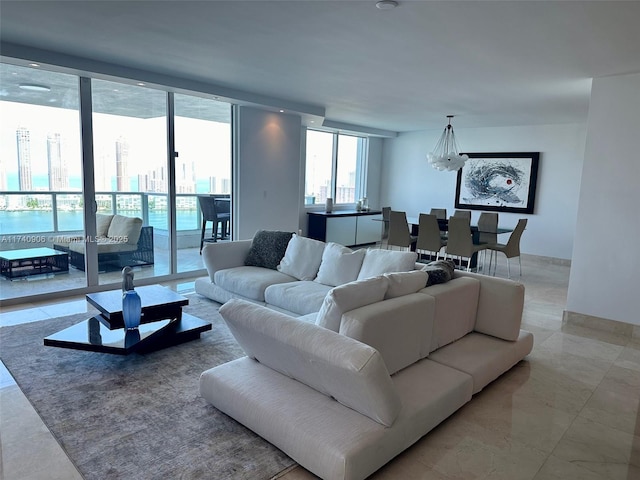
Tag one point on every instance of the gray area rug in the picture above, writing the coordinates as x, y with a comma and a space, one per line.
138, 416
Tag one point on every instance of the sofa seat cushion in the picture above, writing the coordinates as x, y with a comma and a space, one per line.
455, 314
105, 245
483, 357
250, 282
297, 297
125, 229
337, 366
317, 432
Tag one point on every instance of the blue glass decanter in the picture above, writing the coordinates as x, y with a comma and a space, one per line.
131, 304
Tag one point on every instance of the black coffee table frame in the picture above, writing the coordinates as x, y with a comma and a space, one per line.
163, 324
93, 336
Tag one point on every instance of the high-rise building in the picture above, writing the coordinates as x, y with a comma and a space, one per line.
23, 141
185, 177
122, 159
58, 172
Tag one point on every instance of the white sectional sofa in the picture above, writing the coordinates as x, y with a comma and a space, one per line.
307, 270
381, 362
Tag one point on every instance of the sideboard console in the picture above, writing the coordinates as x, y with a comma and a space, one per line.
346, 227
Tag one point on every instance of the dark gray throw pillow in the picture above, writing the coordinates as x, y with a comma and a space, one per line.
440, 271
268, 248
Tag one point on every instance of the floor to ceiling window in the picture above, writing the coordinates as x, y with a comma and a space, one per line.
41, 199
203, 167
130, 164
335, 164
42, 202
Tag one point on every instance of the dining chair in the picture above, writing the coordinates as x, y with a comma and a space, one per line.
213, 210
463, 214
399, 235
440, 213
429, 237
385, 222
510, 249
487, 230
459, 241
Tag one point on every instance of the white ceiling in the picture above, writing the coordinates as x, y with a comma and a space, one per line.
489, 63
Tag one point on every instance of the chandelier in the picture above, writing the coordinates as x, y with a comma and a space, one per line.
446, 155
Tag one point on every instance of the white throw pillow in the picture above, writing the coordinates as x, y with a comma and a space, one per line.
404, 283
379, 261
339, 265
302, 258
348, 297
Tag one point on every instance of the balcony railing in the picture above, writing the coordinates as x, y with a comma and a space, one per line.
28, 217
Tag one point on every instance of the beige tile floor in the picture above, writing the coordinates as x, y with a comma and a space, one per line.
571, 410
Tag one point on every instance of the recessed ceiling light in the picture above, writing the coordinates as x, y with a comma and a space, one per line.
386, 4
281, 111
140, 84
313, 121
34, 64
34, 87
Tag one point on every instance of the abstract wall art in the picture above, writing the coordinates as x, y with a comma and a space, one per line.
499, 182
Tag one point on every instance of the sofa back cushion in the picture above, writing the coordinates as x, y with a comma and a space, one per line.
125, 229
455, 312
500, 306
102, 224
267, 249
302, 258
346, 297
399, 328
379, 261
339, 265
404, 283
337, 366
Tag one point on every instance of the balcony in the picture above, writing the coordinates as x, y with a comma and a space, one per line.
34, 219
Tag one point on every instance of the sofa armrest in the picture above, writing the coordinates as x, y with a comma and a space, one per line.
399, 328
500, 306
223, 255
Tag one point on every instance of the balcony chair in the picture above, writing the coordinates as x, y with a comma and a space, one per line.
214, 210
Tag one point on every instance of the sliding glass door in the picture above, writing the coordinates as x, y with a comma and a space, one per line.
127, 132
130, 166
202, 167
41, 198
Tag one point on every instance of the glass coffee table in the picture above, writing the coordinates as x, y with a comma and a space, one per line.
163, 324
32, 261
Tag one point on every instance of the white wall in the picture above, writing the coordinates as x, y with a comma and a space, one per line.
267, 172
605, 271
410, 183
